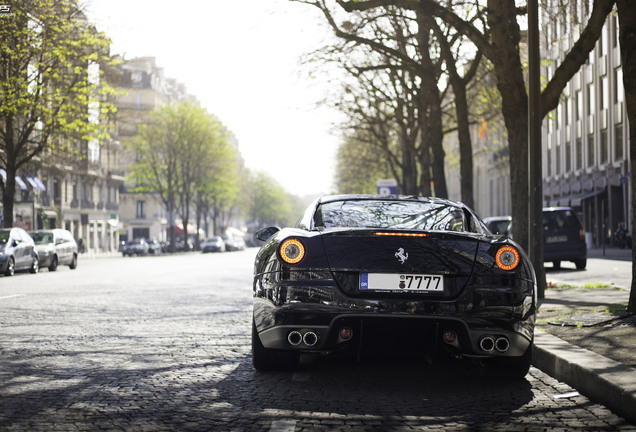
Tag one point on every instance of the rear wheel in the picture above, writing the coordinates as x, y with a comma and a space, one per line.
35, 265
10, 267
265, 359
580, 263
53, 265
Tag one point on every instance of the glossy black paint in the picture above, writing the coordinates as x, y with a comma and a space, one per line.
321, 293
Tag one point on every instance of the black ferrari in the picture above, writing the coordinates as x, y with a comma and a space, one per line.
396, 274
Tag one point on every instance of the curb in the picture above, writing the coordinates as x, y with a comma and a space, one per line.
600, 379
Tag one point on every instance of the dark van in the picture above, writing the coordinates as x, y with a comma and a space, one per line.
563, 237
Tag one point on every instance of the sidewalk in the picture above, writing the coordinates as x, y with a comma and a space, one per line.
585, 338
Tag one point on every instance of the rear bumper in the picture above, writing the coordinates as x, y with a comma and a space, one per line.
564, 252
395, 325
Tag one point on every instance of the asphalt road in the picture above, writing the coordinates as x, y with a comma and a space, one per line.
163, 344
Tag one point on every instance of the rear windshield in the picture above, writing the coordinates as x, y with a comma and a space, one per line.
42, 238
560, 219
406, 215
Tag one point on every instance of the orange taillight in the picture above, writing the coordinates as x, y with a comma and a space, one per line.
292, 251
507, 258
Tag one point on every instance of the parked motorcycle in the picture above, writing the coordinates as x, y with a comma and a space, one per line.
622, 238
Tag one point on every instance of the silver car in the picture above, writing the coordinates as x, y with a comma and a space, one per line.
55, 247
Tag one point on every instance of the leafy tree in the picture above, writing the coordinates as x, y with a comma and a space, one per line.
397, 56
359, 165
267, 203
183, 155
50, 87
494, 30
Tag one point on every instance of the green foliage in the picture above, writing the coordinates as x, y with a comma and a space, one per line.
268, 204
185, 156
360, 165
51, 91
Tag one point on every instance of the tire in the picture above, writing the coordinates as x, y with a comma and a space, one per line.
10, 271
73, 264
53, 265
556, 265
580, 263
515, 368
265, 359
35, 265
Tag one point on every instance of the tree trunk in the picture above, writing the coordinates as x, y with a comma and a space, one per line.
627, 38
8, 197
505, 34
430, 112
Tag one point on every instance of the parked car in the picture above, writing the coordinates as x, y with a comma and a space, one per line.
135, 247
233, 243
17, 252
501, 225
397, 274
564, 237
213, 244
55, 247
154, 247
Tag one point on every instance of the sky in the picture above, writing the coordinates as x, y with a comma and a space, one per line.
241, 60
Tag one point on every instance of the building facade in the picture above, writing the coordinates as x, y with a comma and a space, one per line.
586, 140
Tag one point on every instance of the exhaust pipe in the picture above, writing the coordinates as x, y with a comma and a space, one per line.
502, 344
310, 338
294, 337
487, 343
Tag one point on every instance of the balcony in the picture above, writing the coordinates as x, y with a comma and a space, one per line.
86, 204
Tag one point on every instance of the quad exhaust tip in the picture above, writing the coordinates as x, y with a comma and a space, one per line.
489, 343
502, 344
310, 338
294, 338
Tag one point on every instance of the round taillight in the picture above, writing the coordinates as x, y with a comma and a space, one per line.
507, 258
292, 251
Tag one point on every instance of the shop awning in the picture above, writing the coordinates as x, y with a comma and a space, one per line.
18, 180
573, 200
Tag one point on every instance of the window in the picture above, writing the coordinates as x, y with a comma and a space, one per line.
619, 89
604, 146
604, 90
618, 142
579, 153
568, 157
558, 156
590, 150
141, 209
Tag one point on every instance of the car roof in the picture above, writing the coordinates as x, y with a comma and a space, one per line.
361, 197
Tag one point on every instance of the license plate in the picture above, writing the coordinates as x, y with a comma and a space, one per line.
395, 282
557, 239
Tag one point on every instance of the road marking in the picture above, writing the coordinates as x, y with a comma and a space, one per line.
283, 426
12, 296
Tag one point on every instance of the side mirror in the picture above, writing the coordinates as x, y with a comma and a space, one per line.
266, 233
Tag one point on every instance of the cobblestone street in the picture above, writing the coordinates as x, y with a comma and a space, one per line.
163, 344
